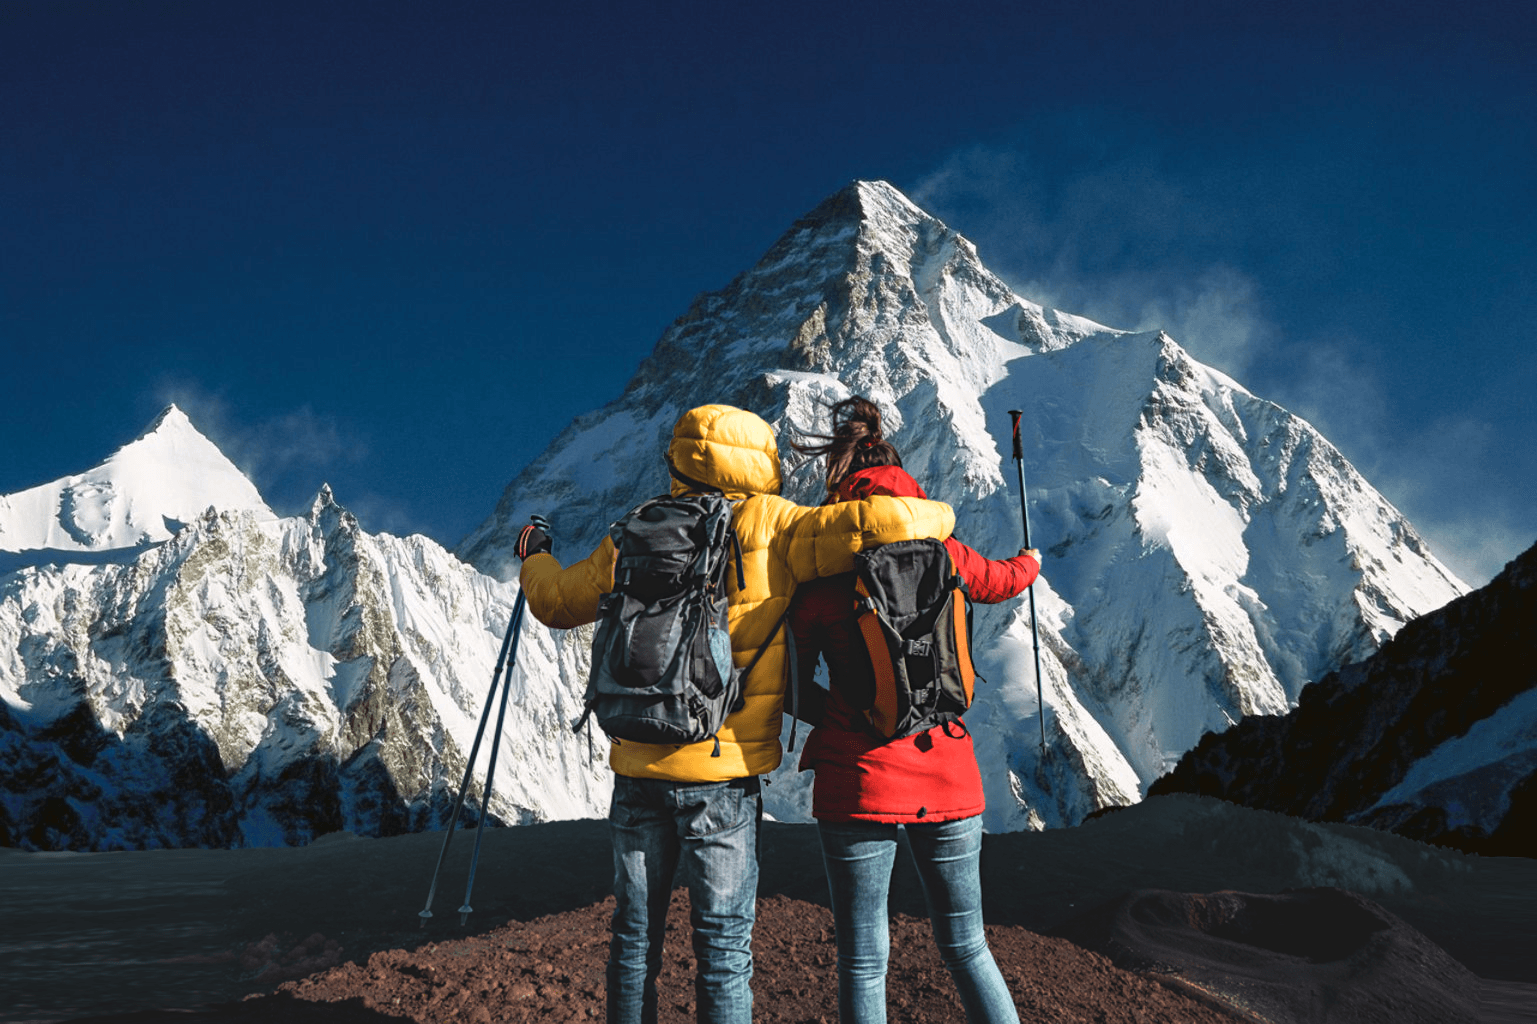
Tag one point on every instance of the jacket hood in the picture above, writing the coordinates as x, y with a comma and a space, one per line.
725, 447
889, 480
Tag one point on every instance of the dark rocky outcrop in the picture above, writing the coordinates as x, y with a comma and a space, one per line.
1358, 732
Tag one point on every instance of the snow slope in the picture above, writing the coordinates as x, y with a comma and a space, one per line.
140, 496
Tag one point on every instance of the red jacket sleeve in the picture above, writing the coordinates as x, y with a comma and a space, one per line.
992, 581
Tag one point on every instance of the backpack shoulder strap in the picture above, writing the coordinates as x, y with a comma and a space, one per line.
778, 625
794, 669
736, 547
688, 481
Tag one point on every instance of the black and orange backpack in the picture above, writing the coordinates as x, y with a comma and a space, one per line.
914, 612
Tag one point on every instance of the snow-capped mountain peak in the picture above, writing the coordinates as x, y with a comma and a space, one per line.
140, 496
259, 681
1208, 553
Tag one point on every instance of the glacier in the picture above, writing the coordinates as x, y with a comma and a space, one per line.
179, 666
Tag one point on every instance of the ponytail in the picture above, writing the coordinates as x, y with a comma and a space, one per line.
856, 441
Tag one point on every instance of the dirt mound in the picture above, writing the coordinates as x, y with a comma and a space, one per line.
1310, 956
551, 969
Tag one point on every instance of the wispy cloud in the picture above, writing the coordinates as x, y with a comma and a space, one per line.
1135, 246
380, 513
1443, 487
1435, 468
1217, 317
1108, 243
287, 454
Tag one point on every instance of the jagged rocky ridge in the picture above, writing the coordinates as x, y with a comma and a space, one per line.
1207, 553
1434, 737
256, 680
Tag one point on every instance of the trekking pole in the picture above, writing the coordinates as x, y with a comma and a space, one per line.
1035, 633
469, 767
496, 742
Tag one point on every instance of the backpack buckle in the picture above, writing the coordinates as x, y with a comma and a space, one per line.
695, 706
918, 648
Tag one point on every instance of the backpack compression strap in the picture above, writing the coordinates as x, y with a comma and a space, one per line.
963, 638
883, 713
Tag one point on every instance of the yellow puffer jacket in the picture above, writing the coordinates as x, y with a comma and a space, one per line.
783, 544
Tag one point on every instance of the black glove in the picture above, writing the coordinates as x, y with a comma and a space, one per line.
533, 539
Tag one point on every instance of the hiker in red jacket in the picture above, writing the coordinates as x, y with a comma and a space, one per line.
867, 787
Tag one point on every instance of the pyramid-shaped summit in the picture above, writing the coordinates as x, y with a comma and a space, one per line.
249, 681
850, 274
1208, 554
169, 475
866, 293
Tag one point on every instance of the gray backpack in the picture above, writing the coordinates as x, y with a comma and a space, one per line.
661, 652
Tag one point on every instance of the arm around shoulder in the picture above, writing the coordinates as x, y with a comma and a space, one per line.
823, 541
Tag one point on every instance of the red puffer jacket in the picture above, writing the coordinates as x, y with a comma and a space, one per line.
928, 777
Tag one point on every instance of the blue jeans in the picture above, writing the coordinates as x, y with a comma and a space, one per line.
705, 834
859, 856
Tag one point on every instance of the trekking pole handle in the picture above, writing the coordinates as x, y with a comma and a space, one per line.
1019, 464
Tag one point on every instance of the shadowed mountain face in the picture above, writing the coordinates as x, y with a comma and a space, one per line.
1433, 737
180, 667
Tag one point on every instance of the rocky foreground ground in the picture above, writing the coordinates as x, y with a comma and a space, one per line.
1133, 917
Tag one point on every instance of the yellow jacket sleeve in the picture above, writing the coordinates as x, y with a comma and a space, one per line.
566, 597
822, 541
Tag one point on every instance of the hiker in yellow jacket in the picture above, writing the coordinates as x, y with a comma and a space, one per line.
681, 809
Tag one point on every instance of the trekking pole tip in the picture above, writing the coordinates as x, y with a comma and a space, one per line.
464, 914
424, 915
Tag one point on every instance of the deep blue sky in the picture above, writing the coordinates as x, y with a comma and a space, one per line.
398, 246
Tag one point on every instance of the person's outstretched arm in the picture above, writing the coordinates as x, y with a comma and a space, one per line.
991, 581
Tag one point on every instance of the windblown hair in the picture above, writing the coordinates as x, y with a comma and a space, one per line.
856, 442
